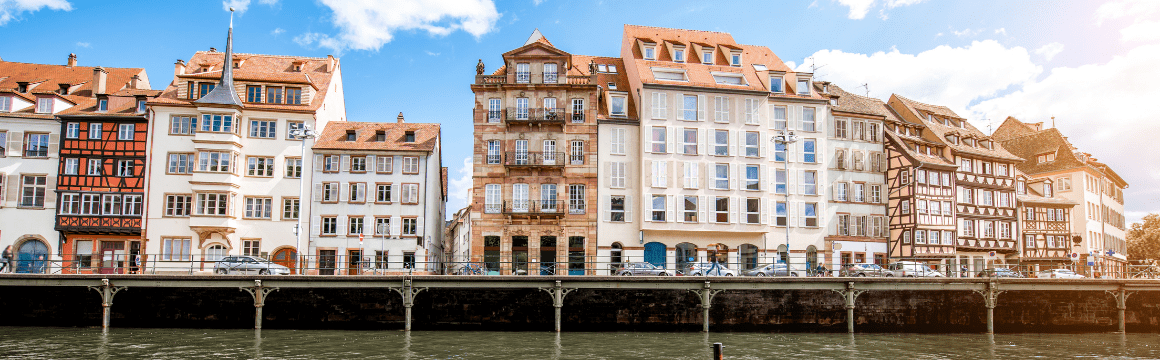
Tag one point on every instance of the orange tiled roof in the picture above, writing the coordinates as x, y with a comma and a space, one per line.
44, 79
620, 79
919, 110
334, 136
121, 103
258, 68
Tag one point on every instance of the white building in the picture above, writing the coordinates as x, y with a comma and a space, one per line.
457, 240
378, 197
30, 96
857, 227
225, 175
711, 177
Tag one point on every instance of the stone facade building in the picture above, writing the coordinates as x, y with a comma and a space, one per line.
31, 98
377, 199
534, 166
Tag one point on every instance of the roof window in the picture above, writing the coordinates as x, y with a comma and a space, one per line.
380, 136
409, 136
611, 86
669, 74
729, 79
351, 135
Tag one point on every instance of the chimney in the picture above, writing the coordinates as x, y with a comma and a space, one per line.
72, 60
99, 77
179, 67
331, 63
135, 81
400, 117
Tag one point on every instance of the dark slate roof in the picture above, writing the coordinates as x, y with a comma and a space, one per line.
896, 141
857, 104
967, 130
224, 93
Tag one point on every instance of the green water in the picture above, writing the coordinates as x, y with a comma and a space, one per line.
84, 343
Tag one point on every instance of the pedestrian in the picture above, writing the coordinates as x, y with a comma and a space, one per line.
821, 270
6, 265
963, 271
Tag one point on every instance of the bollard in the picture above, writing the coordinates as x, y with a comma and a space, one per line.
718, 352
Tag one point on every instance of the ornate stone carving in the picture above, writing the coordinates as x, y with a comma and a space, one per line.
479, 67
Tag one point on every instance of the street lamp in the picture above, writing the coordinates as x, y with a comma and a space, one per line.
302, 133
784, 137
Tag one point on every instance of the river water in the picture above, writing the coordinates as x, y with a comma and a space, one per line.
87, 343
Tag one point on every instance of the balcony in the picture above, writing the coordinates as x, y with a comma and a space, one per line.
546, 79
553, 208
122, 225
534, 159
536, 115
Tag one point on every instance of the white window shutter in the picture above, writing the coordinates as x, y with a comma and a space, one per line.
315, 225
701, 107
15, 140
791, 181
396, 226
647, 207
662, 173
801, 213
654, 105
419, 226
317, 192
762, 172
608, 174
648, 172
762, 147
703, 176
669, 209
606, 209
701, 142
733, 175
703, 203
683, 173
792, 210
628, 208
732, 139
362, 191
819, 212
317, 163
342, 229
764, 216
672, 138
372, 166
734, 210
345, 165
343, 192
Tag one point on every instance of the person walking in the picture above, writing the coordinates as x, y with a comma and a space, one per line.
6, 265
821, 270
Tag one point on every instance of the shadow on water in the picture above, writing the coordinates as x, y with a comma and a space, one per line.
54, 343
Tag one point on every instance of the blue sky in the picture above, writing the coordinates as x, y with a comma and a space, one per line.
984, 59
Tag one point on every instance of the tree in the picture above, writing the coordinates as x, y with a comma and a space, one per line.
1144, 238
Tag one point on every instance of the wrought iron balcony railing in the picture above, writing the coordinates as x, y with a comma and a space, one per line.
534, 207
534, 158
538, 115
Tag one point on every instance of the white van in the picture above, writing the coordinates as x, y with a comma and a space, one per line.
912, 269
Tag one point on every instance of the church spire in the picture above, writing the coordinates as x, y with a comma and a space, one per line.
224, 92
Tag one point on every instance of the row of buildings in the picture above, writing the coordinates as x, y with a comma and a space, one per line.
242, 154
690, 145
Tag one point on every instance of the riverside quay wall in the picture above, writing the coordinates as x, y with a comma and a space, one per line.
582, 303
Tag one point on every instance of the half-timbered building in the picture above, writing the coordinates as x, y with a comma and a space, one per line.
1045, 236
101, 186
31, 97
921, 182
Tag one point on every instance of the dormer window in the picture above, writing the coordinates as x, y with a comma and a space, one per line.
103, 104
679, 54
22, 87
380, 136
1021, 187
44, 105
612, 68
707, 57
409, 137
953, 139
5, 105
1046, 158
351, 135
650, 52
63, 89
729, 79
803, 87
776, 84
1047, 189
602, 68
833, 101
523, 73
735, 59
237, 64
140, 106
669, 74
611, 86
930, 117
297, 66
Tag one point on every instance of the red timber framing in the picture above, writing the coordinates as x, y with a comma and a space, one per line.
101, 193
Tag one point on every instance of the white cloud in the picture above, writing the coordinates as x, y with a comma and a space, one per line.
83, 44
242, 5
368, 25
277, 31
538, 2
458, 187
1143, 31
966, 32
1126, 8
1001, 31
11, 9
950, 76
858, 8
899, 3
432, 53
1050, 50
1120, 136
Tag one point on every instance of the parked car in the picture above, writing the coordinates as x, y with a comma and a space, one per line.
912, 269
252, 265
779, 269
864, 270
643, 269
708, 269
1060, 274
1000, 272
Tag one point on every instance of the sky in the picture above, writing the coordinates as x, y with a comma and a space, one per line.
1090, 64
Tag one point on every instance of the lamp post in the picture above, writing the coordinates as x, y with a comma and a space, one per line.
784, 137
303, 133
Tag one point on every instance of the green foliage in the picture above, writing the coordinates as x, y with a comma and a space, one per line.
1144, 238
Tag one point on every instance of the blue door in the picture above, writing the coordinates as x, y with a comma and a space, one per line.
32, 257
654, 253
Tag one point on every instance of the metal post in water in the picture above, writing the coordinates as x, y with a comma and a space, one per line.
558, 292
718, 351
107, 291
1121, 297
408, 292
849, 295
259, 293
705, 298
990, 297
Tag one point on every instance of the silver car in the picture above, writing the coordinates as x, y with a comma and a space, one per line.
864, 270
1060, 274
708, 269
643, 269
772, 270
250, 265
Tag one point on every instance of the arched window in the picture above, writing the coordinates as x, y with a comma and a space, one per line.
782, 254
617, 252
811, 257
215, 252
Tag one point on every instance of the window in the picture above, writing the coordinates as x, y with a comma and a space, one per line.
251, 247
779, 117
260, 166
358, 192
729, 79
179, 164
6, 103
689, 110
859, 192
217, 123
707, 57
125, 132
658, 208
290, 208
721, 176
808, 119
905, 236
576, 196
721, 209
692, 178
212, 204
810, 214
383, 193
779, 181
1061, 184
752, 144
776, 83
735, 59
752, 177
876, 194
988, 199
94, 167
810, 182
382, 226
36, 145
523, 73
71, 166
273, 95
616, 175
576, 152
659, 140
70, 204
204, 88
920, 236
934, 237
294, 96
177, 205
125, 168
752, 211
72, 131
213, 161
44, 105
291, 127
410, 194
803, 87
410, 165
1005, 230
617, 142
254, 93
355, 225
650, 52
659, 105
844, 225
840, 191
33, 190
689, 142
989, 229
618, 106
265, 129
578, 110
1047, 190
721, 109
492, 198
493, 152
384, 164
258, 208
679, 54
721, 142
669, 74
410, 226
358, 164
690, 209
329, 192
329, 225
809, 151
293, 167
172, 249
920, 206
872, 132
781, 214
493, 110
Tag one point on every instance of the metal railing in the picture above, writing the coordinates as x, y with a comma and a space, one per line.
534, 158
552, 115
534, 207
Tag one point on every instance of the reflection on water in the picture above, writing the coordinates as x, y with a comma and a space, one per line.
56, 343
